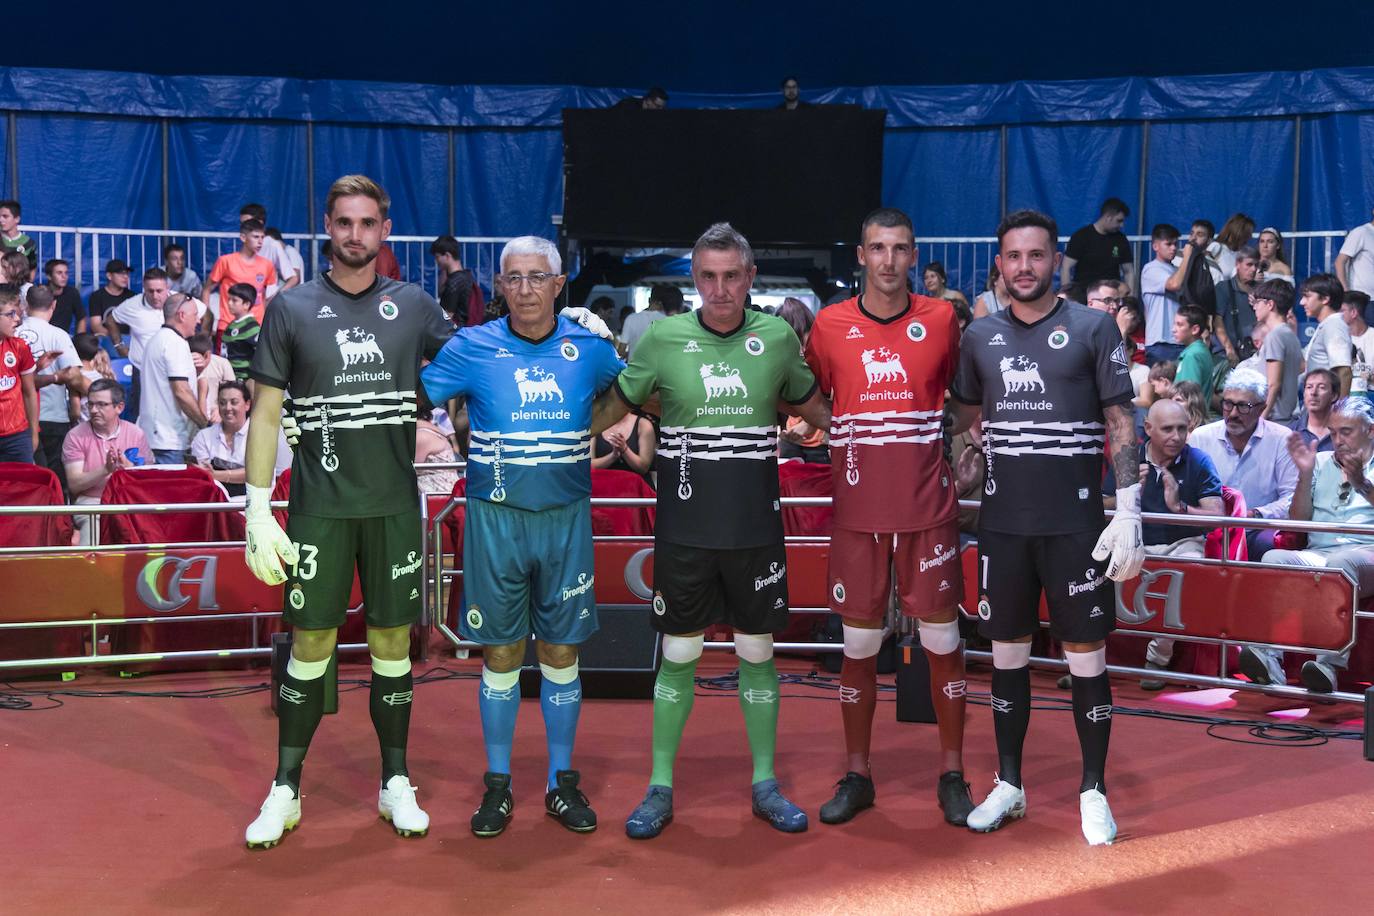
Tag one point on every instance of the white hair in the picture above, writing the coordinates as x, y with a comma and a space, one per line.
533, 244
1357, 408
1247, 380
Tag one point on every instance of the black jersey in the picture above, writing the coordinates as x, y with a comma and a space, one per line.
1043, 387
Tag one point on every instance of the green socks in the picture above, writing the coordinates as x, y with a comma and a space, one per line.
674, 692
758, 697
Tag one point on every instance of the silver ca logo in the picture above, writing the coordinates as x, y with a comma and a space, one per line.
175, 599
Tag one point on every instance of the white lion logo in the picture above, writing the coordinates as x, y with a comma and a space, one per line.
1020, 374
357, 347
887, 367
542, 387
720, 379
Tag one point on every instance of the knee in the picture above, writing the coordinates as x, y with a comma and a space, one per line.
555, 655
392, 643
503, 658
313, 645
754, 648
683, 650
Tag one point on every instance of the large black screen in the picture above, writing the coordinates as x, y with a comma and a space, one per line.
805, 177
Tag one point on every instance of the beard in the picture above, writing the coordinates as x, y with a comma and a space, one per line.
349, 259
1037, 292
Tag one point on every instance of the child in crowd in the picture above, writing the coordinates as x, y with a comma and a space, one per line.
95, 364
244, 267
211, 371
241, 333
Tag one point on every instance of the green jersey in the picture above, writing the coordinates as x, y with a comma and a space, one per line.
352, 365
717, 459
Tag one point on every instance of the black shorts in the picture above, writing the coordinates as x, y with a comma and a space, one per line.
1013, 569
695, 587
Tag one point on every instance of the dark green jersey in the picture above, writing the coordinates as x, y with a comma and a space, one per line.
351, 365
717, 461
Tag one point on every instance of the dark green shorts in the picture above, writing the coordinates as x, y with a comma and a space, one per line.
386, 552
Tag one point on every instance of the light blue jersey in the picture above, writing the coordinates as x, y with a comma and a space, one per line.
529, 407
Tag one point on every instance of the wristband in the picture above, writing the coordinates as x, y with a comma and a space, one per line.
259, 504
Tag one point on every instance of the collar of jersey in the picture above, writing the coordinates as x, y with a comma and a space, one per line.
872, 317
744, 319
1011, 316
530, 340
376, 280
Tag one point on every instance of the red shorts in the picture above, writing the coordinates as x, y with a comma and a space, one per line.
929, 575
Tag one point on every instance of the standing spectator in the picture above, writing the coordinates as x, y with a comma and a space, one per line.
115, 291
1235, 319
661, 297
791, 95
241, 334
1353, 305
167, 398
140, 317
1354, 265
935, 280
18, 391
1160, 282
1100, 250
1234, 236
1312, 422
656, 99
11, 238
1281, 352
212, 371
995, 298
67, 308
1273, 260
1195, 362
387, 265
272, 249
456, 282
98, 447
293, 263
180, 278
54, 418
1330, 346
1203, 238
220, 447
245, 266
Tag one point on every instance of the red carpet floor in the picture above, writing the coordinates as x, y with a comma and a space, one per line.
137, 805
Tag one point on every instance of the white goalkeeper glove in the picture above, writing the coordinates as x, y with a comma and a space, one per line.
290, 429
589, 320
268, 545
1121, 540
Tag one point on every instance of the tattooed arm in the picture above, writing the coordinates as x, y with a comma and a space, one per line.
1125, 448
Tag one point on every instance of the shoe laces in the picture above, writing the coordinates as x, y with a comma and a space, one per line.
494, 796
1001, 790
1094, 805
572, 796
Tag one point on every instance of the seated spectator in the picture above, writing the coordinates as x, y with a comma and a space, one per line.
1273, 262
1160, 283
212, 370
115, 291
12, 238
168, 403
180, 278
1159, 383
1176, 479
1194, 401
661, 296
1332, 487
95, 364
433, 446
935, 280
1250, 453
603, 307
98, 447
1330, 346
1195, 362
67, 310
18, 391
1102, 296
628, 445
245, 267
1353, 305
1318, 394
241, 333
1255, 360
1072, 292
1129, 322
456, 282
1282, 354
1234, 318
220, 447
995, 298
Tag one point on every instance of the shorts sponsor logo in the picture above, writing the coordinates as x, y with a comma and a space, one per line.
388, 309
997, 340
885, 366
568, 351
776, 572
837, 591
358, 346
955, 689
941, 556
753, 345
692, 347
474, 617
1059, 338
291, 695
1091, 580
325, 312
411, 564
584, 585
916, 331
1101, 713
660, 606
503, 353
399, 698
296, 597
984, 609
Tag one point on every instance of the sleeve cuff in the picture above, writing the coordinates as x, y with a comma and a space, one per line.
809, 392
620, 392
267, 379
1121, 399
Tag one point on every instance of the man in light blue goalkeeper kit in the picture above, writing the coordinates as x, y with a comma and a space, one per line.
530, 380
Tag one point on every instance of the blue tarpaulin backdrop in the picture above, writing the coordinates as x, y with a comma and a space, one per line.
87, 148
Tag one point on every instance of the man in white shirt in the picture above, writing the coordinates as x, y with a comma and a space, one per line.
54, 418
294, 263
1353, 305
1355, 263
1160, 282
167, 392
219, 447
1330, 346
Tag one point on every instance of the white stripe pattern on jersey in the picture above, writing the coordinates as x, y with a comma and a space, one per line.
883, 426
1056, 438
532, 447
355, 411
713, 443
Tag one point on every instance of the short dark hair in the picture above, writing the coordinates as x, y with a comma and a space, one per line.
657, 92
154, 273
252, 225
115, 389
1206, 224
8, 293
1327, 287
253, 211
666, 295
87, 345
1114, 205
1028, 219
887, 217
1357, 300
789, 79
1073, 292
273, 231
200, 343
1164, 232
1279, 292
235, 384
937, 268
40, 298
51, 264
171, 247
445, 244
1098, 284
245, 291
1195, 316
12, 206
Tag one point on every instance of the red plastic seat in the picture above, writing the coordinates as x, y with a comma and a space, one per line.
136, 486
621, 520
797, 478
31, 485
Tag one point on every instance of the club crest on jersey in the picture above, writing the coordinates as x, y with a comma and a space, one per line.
537, 385
753, 345
1020, 374
837, 591
997, 340
692, 347
1059, 338
916, 331
325, 312
388, 309
660, 606
854, 333
984, 609
474, 617
885, 367
10, 360
357, 346
721, 380
568, 351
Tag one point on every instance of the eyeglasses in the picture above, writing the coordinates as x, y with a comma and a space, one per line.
11, 314
99, 404
1113, 301
1241, 407
536, 281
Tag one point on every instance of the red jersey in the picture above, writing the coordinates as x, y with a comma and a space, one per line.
16, 360
887, 380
